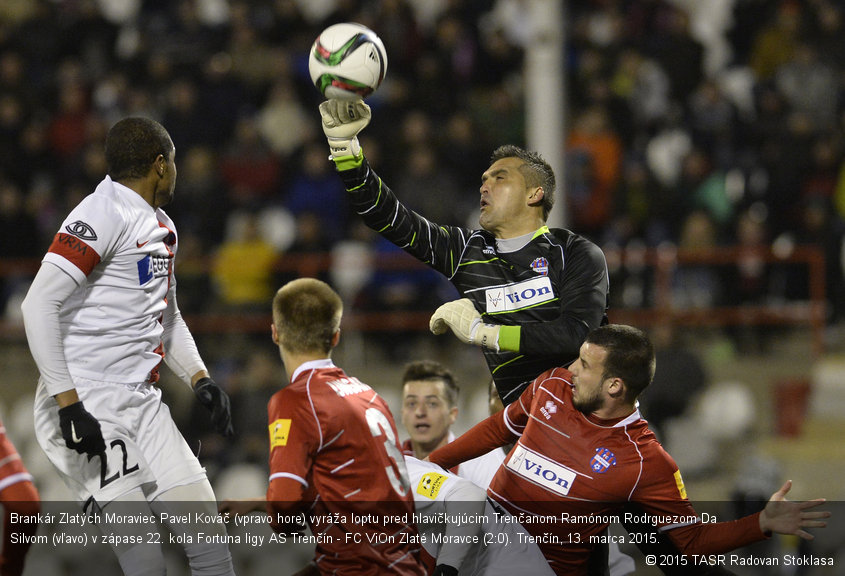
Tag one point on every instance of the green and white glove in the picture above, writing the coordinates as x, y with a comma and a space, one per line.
465, 322
342, 120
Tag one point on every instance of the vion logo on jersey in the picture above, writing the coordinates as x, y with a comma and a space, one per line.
150, 267
521, 295
542, 471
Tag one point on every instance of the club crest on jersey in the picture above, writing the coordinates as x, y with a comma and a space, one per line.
520, 295
81, 230
603, 460
540, 266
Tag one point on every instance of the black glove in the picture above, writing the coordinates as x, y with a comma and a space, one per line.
81, 430
215, 399
444, 570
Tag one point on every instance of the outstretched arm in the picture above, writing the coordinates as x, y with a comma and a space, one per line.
485, 436
782, 516
779, 517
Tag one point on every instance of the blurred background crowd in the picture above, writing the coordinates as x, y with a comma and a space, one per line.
691, 124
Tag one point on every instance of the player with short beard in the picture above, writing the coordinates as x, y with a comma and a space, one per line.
583, 451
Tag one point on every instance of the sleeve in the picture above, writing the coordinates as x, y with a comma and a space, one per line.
89, 235
705, 538
583, 288
284, 498
663, 496
437, 246
485, 436
180, 350
48, 292
294, 440
461, 499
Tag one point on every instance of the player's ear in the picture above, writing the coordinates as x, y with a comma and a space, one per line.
536, 197
274, 334
616, 387
453, 414
336, 338
160, 164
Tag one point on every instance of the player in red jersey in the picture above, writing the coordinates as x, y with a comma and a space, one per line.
583, 451
18, 495
334, 449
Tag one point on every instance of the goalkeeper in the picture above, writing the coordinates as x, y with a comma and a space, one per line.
531, 293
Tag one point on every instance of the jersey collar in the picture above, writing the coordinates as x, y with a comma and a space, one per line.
617, 423
518, 243
312, 365
128, 193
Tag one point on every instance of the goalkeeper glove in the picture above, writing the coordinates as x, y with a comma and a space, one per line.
215, 399
465, 322
342, 120
81, 430
444, 570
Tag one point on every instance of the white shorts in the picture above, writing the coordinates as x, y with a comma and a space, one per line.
508, 554
144, 448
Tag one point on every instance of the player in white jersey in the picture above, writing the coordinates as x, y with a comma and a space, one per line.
100, 317
459, 530
429, 409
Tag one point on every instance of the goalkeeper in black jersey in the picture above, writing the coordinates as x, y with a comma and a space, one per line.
531, 294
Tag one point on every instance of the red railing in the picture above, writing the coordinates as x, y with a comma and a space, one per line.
809, 313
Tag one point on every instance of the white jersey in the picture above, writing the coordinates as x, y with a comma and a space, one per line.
438, 500
120, 251
480, 470
433, 488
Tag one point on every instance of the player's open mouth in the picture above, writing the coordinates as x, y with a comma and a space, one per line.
422, 427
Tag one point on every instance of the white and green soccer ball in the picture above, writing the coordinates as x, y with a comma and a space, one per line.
347, 61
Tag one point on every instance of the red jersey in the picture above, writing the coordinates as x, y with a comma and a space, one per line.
570, 474
336, 437
12, 469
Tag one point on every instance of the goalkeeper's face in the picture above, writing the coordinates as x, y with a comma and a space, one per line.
506, 200
427, 415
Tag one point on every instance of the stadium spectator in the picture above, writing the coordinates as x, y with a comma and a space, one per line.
243, 266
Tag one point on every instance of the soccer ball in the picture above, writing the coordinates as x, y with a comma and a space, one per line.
347, 61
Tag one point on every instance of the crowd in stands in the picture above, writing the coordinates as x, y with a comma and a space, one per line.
688, 122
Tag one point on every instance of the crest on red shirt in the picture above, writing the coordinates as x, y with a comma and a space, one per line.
603, 460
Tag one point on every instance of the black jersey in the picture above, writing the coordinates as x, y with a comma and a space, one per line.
555, 287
